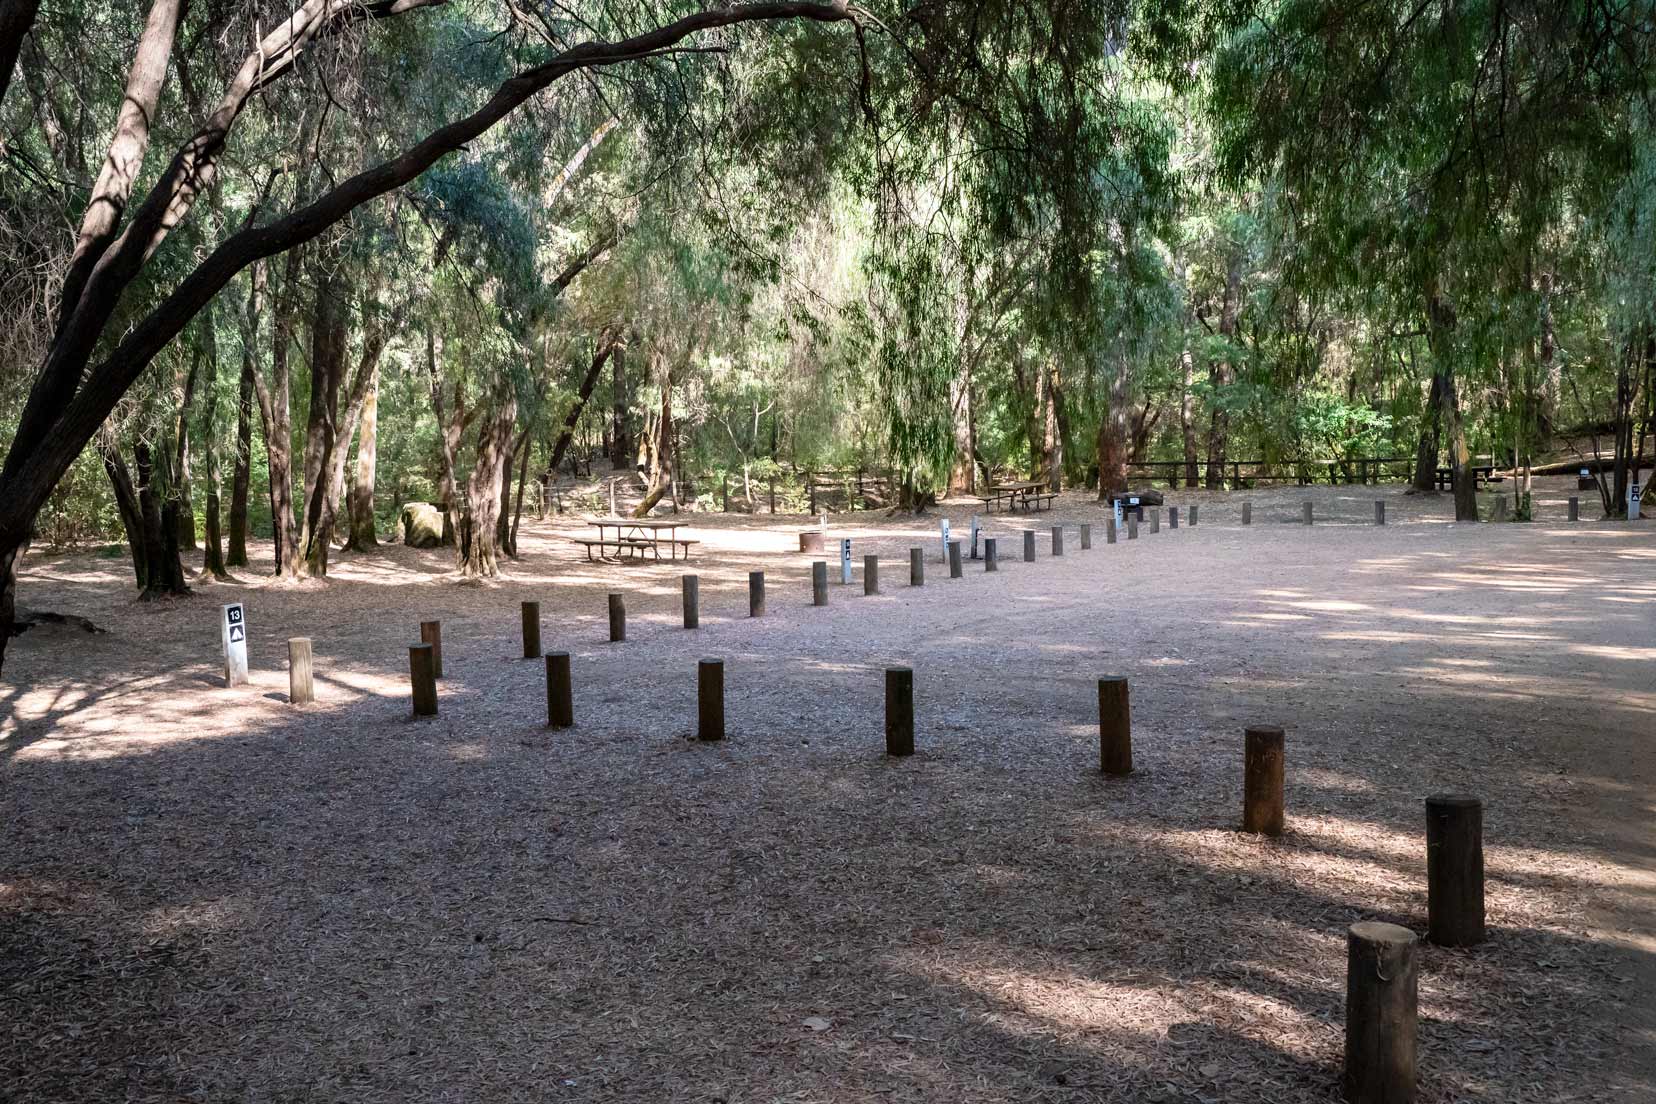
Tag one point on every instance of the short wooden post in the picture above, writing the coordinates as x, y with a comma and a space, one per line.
756, 594
1305, 508
1132, 526
991, 561
1247, 513
1155, 519
1262, 781
772, 484
531, 630
899, 710
422, 673
1193, 509
1109, 530
1379, 511
1500, 511
1057, 540
1115, 727
301, 686
917, 567
560, 693
1454, 870
954, 560
692, 601
819, 583
431, 632
1086, 537
1029, 545
1172, 517
1382, 1014
617, 618
710, 713
871, 574
1575, 509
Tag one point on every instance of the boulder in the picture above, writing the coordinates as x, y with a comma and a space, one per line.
421, 524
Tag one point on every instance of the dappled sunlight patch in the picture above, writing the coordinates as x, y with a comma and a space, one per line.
221, 914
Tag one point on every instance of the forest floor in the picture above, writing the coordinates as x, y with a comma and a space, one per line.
210, 894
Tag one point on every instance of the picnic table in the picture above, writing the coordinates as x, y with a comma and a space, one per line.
635, 538
1018, 494
1481, 474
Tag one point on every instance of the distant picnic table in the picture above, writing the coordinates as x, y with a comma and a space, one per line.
1481, 474
635, 538
1021, 494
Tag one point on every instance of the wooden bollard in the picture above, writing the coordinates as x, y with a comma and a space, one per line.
1379, 511
1057, 540
955, 570
531, 630
819, 583
871, 574
1382, 1014
1575, 509
1029, 545
1305, 509
1132, 526
692, 601
301, 685
1247, 513
431, 632
1115, 727
617, 618
1262, 781
1086, 537
1155, 519
1193, 509
899, 710
991, 558
560, 691
710, 719
756, 594
1172, 517
1499, 513
1109, 530
422, 673
917, 567
1454, 870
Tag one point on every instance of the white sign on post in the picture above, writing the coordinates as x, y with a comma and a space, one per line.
824, 523
976, 530
233, 631
1118, 517
943, 526
1634, 493
845, 560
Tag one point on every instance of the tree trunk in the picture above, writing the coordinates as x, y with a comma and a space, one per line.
126, 506
1057, 428
621, 443
1551, 373
249, 325
158, 520
322, 438
1440, 336
213, 559
181, 458
661, 453
609, 344
1187, 417
1222, 371
1113, 434
963, 474
275, 411
449, 431
526, 446
1426, 452
363, 537
478, 554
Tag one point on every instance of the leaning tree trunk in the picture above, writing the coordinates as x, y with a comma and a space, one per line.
661, 453
363, 537
126, 506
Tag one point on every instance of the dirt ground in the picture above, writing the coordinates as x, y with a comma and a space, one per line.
209, 894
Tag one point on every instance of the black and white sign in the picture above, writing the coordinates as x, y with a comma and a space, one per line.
943, 527
233, 635
1634, 494
845, 560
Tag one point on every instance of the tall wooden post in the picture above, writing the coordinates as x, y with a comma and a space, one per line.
1155, 519
1305, 508
1132, 526
899, 710
1115, 727
1057, 540
1262, 781
710, 711
1382, 1014
756, 594
1109, 530
955, 570
531, 630
991, 559
773, 495
1247, 513
1379, 511
1029, 546
1575, 508
431, 632
692, 601
917, 567
301, 686
819, 583
1086, 537
871, 574
422, 673
560, 691
1193, 509
617, 618
1454, 870
1172, 517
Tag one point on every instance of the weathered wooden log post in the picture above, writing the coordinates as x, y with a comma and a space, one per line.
431, 632
1247, 513
1382, 1014
1115, 727
1155, 519
1454, 870
871, 574
1499, 513
991, 558
710, 706
1029, 545
1305, 509
1379, 511
917, 567
955, 569
1109, 530
756, 594
1086, 537
301, 684
819, 583
1172, 517
560, 691
531, 630
422, 673
1132, 526
1575, 509
1057, 540
1193, 509
617, 618
691, 587
899, 710
1262, 781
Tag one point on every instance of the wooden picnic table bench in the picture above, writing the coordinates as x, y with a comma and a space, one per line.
1481, 474
636, 537
1020, 495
